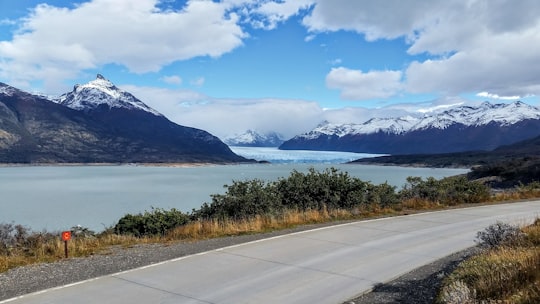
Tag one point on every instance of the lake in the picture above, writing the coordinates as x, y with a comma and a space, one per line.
60, 197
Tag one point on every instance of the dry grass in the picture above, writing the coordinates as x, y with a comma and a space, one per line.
501, 275
420, 204
51, 250
261, 223
517, 194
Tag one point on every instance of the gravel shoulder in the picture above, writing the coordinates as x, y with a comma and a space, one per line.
418, 286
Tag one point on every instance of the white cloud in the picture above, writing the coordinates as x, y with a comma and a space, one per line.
357, 85
388, 20
336, 61
495, 96
57, 43
268, 14
309, 38
198, 82
476, 45
173, 79
223, 117
276, 12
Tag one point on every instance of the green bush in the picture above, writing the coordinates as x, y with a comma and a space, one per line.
447, 191
155, 222
243, 199
314, 190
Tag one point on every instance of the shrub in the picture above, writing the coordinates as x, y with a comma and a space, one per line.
329, 189
242, 200
499, 234
156, 222
448, 191
12, 236
82, 232
314, 190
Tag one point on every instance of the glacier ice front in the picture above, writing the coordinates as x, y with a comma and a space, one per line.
274, 155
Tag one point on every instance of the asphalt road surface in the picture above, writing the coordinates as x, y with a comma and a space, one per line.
327, 265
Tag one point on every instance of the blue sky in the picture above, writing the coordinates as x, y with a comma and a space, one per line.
231, 65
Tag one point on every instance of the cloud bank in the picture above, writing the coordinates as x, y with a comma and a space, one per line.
473, 46
57, 43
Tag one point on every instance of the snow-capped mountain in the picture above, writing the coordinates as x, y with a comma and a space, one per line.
98, 123
484, 127
503, 114
252, 138
101, 92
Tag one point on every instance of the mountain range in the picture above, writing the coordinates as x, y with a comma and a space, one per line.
98, 123
252, 138
464, 128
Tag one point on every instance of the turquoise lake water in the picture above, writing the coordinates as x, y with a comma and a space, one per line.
60, 197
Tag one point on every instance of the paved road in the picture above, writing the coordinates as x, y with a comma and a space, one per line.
328, 265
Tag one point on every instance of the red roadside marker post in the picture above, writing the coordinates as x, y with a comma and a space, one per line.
66, 236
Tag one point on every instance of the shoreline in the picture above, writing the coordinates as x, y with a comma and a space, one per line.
172, 165
209, 164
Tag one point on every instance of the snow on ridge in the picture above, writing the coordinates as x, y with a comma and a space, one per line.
102, 91
7, 90
485, 113
252, 137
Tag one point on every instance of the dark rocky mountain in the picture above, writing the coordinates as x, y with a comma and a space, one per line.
460, 129
98, 123
252, 138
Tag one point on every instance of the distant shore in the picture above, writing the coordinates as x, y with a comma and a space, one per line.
175, 165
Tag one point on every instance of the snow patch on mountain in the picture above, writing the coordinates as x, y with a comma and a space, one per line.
253, 138
102, 92
502, 114
7, 90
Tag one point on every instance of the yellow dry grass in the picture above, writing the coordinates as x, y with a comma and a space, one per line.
505, 274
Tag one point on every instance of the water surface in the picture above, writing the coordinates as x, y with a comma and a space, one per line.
59, 197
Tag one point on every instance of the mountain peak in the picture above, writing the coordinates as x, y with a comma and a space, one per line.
464, 128
253, 138
502, 114
101, 91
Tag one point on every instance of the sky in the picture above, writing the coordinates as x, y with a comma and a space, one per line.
284, 65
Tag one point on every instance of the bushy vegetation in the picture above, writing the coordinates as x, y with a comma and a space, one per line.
326, 190
449, 191
155, 222
323, 191
508, 271
510, 172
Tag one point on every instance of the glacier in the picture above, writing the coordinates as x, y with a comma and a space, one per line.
274, 155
